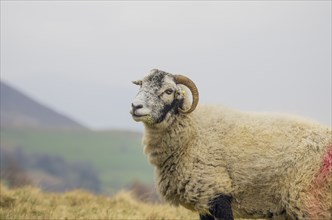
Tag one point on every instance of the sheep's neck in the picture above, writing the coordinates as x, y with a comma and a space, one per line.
162, 145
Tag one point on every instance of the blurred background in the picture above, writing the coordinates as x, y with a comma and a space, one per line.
67, 67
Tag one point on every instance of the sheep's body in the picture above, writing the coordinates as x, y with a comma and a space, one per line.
264, 165
268, 163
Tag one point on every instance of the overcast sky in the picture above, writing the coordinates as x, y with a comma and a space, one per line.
79, 57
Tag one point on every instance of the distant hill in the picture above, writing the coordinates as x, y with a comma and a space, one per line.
19, 110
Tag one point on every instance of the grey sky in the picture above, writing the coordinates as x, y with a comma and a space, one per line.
80, 57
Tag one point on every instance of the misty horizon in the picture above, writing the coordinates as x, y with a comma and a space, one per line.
79, 58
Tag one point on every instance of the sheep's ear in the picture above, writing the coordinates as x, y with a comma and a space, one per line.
137, 82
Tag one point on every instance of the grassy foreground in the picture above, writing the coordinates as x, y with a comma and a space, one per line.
31, 203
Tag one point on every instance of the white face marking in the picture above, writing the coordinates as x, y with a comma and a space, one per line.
140, 100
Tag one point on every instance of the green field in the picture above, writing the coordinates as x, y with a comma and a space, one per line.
116, 155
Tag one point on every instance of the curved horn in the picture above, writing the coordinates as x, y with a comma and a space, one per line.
179, 79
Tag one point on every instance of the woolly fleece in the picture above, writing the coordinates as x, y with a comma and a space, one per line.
269, 163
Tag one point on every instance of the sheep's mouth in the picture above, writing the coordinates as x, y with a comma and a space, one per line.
136, 115
146, 118
139, 117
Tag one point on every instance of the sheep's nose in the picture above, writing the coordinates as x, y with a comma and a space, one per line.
135, 107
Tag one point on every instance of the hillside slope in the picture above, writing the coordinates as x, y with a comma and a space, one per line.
19, 110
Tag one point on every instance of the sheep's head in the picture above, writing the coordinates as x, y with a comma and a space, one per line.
162, 95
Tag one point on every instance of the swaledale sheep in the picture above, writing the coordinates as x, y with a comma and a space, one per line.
218, 161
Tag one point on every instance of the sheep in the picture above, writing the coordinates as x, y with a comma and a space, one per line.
224, 163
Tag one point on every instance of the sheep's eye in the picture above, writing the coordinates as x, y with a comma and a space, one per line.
169, 91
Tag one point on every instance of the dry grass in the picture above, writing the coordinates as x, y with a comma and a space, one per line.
31, 203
